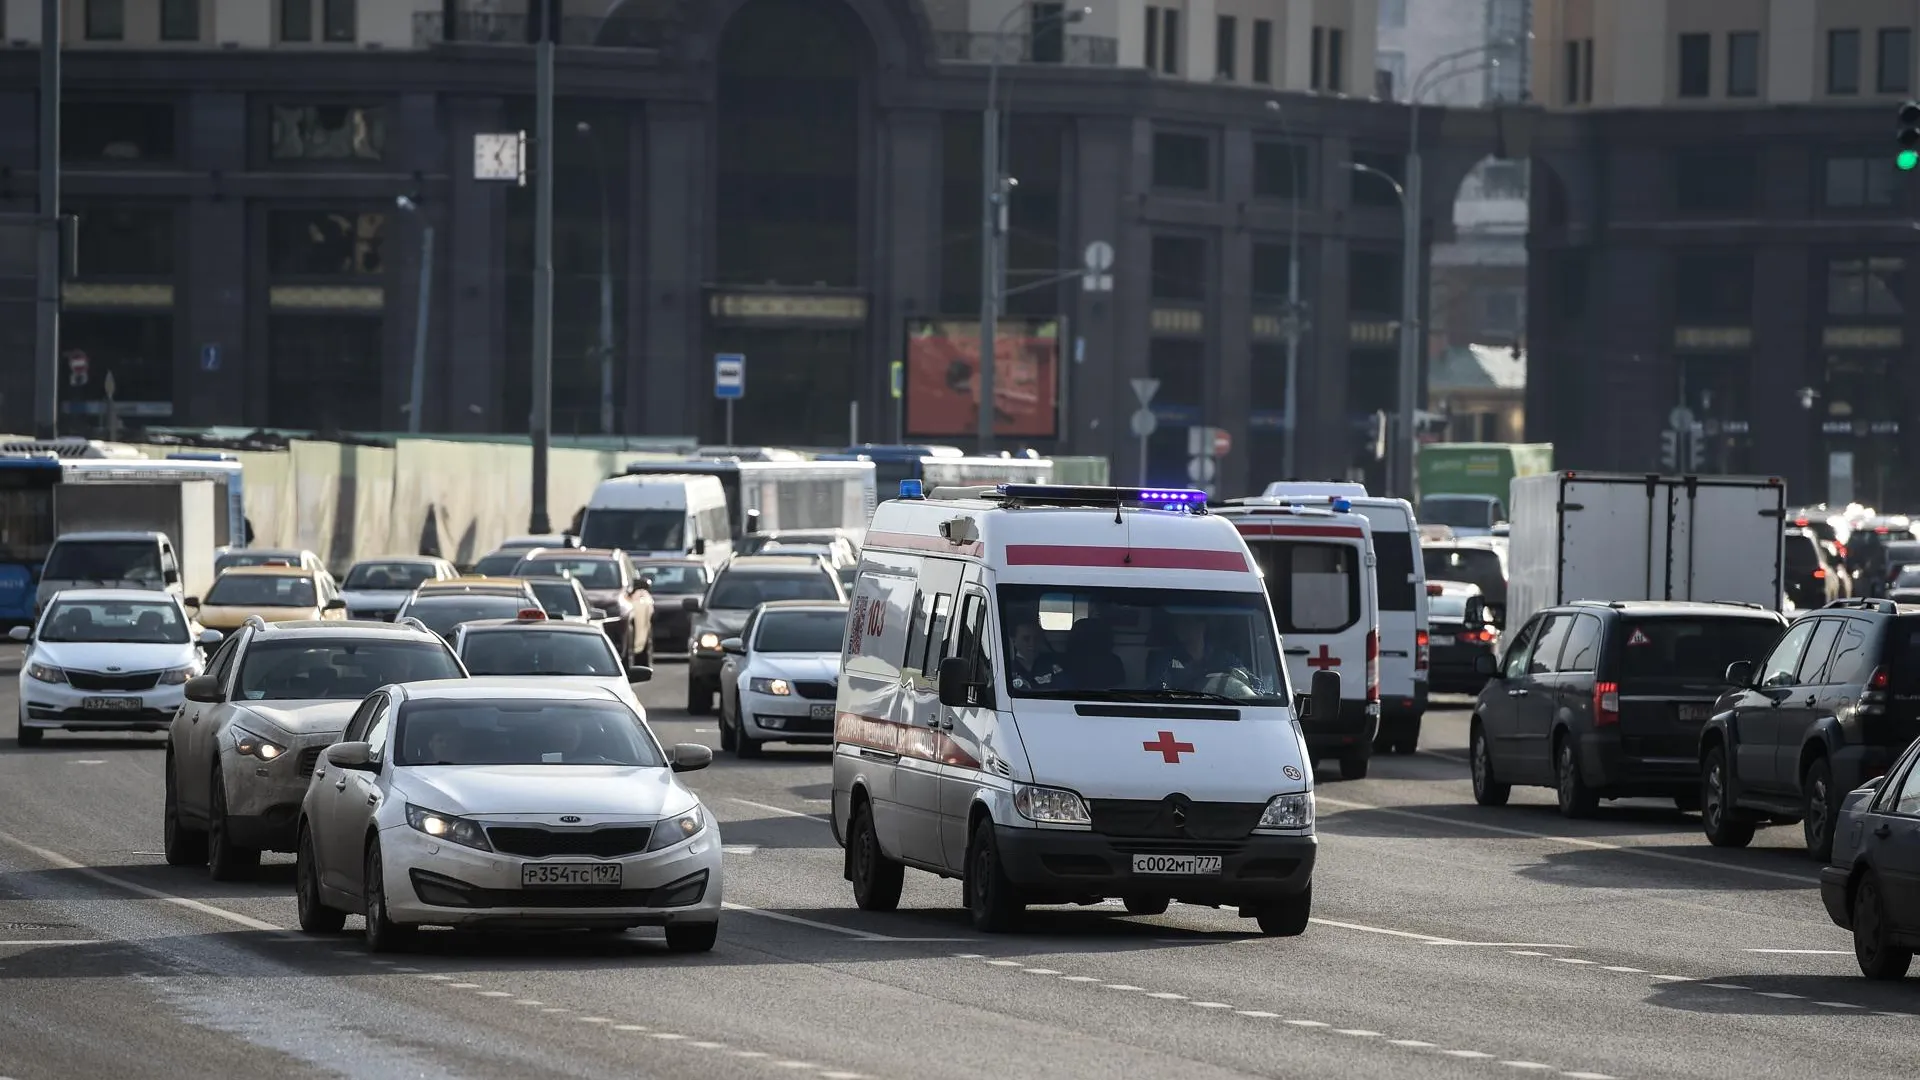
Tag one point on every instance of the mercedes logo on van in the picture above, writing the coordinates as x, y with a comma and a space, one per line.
116, 667
570, 819
1177, 806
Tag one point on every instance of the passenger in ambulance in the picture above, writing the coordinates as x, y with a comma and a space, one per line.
1090, 661
1029, 665
1192, 658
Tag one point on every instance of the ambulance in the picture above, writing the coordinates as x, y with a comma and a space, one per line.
1318, 562
1064, 695
1404, 642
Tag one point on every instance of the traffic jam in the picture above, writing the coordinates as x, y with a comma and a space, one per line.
1051, 694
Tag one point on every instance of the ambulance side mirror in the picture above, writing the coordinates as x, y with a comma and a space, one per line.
1323, 701
957, 688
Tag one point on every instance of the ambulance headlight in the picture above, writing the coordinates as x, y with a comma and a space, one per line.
1050, 806
1288, 812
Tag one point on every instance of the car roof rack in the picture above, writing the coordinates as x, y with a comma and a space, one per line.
408, 620
1871, 603
256, 622
1742, 603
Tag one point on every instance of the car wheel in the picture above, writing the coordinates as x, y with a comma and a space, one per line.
1717, 815
1823, 809
1487, 790
226, 861
1354, 763
383, 934
729, 736
1383, 739
1287, 916
1575, 798
877, 880
315, 916
699, 697
182, 846
993, 903
692, 937
1407, 739
1878, 958
31, 736
1147, 905
745, 746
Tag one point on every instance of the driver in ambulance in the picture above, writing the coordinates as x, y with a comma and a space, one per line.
1193, 659
1028, 667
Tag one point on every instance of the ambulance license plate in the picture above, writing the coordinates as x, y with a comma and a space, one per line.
824, 711
1190, 865
111, 704
537, 875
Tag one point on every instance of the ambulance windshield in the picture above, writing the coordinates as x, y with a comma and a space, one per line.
1141, 645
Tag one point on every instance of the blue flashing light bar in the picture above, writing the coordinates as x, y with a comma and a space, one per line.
1103, 496
1341, 506
910, 489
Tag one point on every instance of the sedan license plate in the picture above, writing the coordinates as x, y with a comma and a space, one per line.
820, 712
1695, 712
1176, 864
111, 704
539, 875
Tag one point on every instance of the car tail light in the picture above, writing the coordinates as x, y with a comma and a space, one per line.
1476, 637
1373, 665
1874, 701
1819, 574
1422, 650
1606, 704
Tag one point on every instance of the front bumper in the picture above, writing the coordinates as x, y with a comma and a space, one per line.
784, 719
1356, 724
59, 705
1058, 865
670, 629
704, 664
263, 797
1834, 883
439, 884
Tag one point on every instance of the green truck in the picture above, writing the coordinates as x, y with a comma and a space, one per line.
1465, 485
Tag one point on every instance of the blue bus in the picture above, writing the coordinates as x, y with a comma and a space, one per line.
26, 530
943, 466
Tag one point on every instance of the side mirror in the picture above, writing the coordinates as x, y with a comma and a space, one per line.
1872, 784
357, 756
645, 585
690, 757
639, 674
1485, 664
1740, 673
191, 601
172, 577
597, 613
958, 689
20, 633
210, 638
1476, 615
700, 543
1326, 694
735, 646
336, 604
691, 603
204, 689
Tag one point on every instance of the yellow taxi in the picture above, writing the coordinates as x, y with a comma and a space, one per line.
275, 593
480, 586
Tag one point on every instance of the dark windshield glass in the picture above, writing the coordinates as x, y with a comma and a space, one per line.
1459, 512
740, 590
104, 561
1393, 554
442, 613
1450, 606
635, 530
676, 580
261, 590
519, 732
1688, 649
388, 575
498, 564
1475, 566
557, 597
590, 573
134, 622
538, 652
337, 670
801, 632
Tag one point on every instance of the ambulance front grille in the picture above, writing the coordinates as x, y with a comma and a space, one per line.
1174, 818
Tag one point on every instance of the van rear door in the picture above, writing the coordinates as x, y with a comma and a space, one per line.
1671, 669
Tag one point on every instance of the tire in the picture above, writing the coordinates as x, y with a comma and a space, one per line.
1288, 916
1687, 804
877, 880
993, 903
692, 937
1383, 739
31, 736
1353, 763
1822, 809
1576, 799
1408, 739
182, 846
1718, 818
1147, 905
226, 860
747, 749
315, 916
1877, 959
729, 737
383, 934
1487, 790
699, 697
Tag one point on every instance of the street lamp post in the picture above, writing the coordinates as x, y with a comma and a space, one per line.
416, 406
606, 281
542, 434
1295, 322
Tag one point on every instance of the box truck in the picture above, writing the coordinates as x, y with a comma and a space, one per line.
1464, 486
1620, 536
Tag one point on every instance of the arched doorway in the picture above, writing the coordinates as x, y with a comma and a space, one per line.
790, 160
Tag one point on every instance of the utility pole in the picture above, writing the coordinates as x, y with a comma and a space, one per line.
993, 215
46, 344
1295, 323
543, 178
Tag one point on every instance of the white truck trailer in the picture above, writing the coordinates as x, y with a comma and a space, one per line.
1623, 536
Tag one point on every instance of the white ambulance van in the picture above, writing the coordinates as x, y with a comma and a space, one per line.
1402, 573
1318, 563
1064, 694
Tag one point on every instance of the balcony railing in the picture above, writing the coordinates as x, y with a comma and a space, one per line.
1077, 50
491, 28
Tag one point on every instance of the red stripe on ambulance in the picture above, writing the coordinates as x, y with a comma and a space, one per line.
1125, 558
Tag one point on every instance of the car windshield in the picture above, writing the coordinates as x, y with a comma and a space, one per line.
590, 573
1459, 512
337, 669
103, 561
801, 632
522, 732
1448, 606
743, 590
498, 564
1688, 649
261, 590
388, 575
1142, 645
148, 622
533, 651
557, 596
1801, 555
1475, 566
634, 530
1902, 552
676, 580
442, 613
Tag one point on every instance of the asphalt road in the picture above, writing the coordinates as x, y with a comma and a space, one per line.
1449, 941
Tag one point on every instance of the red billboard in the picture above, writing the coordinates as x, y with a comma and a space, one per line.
942, 388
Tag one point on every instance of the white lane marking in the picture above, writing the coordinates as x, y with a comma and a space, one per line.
53, 941
1626, 970
1727, 986
1209, 1004
1006, 963
1041, 971
1839, 1005
1257, 1014
84, 870
1574, 960
1674, 978
1358, 1033
95, 760
436, 978
529, 1001
1521, 1064
629, 1027
1586, 1076
1503, 944
781, 810
709, 1045
862, 935
1411, 1044
1525, 952
594, 1019
553, 1009
1168, 996
1303, 1023
1427, 938
668, 1035
800, 1064
1078, 978
966, 956
1804, 952
840, 1076
751, 1054
739, 849
1121, 986
1782, 995
496, 993
464, 986
1470, 1054
1574, 841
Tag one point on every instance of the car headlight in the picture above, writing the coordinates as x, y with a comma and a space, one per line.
672, 831
246, 742
709, 641
776, 687
454, 830
1290, 812
176, 676
46, 673
1050, 806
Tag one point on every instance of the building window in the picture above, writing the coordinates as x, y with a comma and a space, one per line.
1717, 183
1866, 286
1843, 61
1279, 170
1896, 61
296, 20
339, 20
322, 243
1163, 40
1696, 65
1182, 162
1373, 281
125, 241
1573, 74
1336, 59
1263, 51
1855, 182
1226, 45
325, 371
1370, 190
1179, 268
97, 132
1393, 74
1393, 13
1711, 287
1272, 271
1500, 312
1316, 73
1047, 33
106, 20
328, 133
1586, 71
1743, 64
1151, 56
179, 20
135, 347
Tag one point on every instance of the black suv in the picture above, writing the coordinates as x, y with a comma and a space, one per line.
1829, 708
1606, 700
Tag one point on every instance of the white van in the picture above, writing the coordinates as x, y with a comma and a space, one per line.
1063, 694
660, 516
1318, 562
1402, 574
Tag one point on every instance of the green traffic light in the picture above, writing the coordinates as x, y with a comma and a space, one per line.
1908, 160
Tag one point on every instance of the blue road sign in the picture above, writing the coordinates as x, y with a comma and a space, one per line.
729, 376
209, 358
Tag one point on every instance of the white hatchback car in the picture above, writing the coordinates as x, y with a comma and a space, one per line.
107, 660
781, 675
547, 649
506, 803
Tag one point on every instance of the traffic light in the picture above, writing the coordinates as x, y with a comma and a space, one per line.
1670, 449
1696, 449
1909, 157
